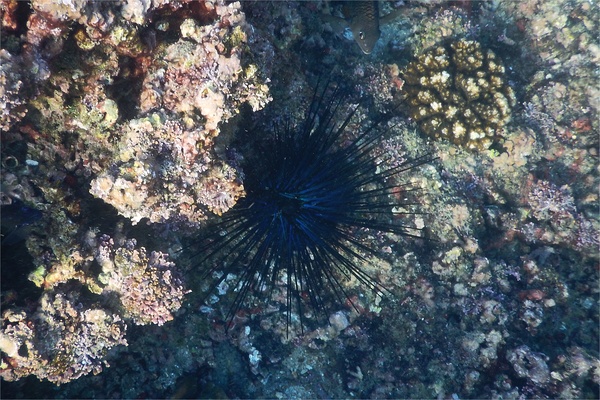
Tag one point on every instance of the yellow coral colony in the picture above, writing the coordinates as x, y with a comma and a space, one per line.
458, 91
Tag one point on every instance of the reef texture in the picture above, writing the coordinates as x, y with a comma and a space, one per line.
148, 288
61, 341
69, 334
164, 167
126, 100
113, 98
458, 91
11, 91
165, 172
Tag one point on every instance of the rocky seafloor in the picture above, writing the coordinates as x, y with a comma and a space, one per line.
122, 127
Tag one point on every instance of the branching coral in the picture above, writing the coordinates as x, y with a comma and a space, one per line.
458, 91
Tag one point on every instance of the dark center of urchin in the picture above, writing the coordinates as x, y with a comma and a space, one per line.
286, 205
306, 196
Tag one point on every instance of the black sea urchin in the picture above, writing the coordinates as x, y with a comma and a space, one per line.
306, 196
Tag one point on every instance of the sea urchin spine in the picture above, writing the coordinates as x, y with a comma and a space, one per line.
302, 208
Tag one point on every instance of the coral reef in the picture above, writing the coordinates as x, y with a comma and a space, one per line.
163, 171
70, 333
61, 341
11, 90
68, 336
148, 288
458, 91
148, 105
203, 71
149, 159
164, 166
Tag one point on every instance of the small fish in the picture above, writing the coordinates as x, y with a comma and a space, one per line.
17, 222
363, 19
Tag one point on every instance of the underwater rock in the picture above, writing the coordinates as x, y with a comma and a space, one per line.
11, 90
206, 71
163, 171
529, 364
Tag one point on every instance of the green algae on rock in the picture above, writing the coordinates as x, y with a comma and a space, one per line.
458, 91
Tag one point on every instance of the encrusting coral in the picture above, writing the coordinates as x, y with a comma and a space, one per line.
164, 167
148, 287
69, 335
457, 91
163, 171
61, 341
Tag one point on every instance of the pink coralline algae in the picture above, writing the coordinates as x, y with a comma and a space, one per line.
203, 72
163, 171
553, 205
61, 341
549, 201
148, 287
164, 167
68, 336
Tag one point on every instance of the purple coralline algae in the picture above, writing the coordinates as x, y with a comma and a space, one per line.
151, 157
134, 286
148, 287
61, 341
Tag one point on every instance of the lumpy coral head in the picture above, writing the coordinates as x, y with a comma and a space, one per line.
458, 92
